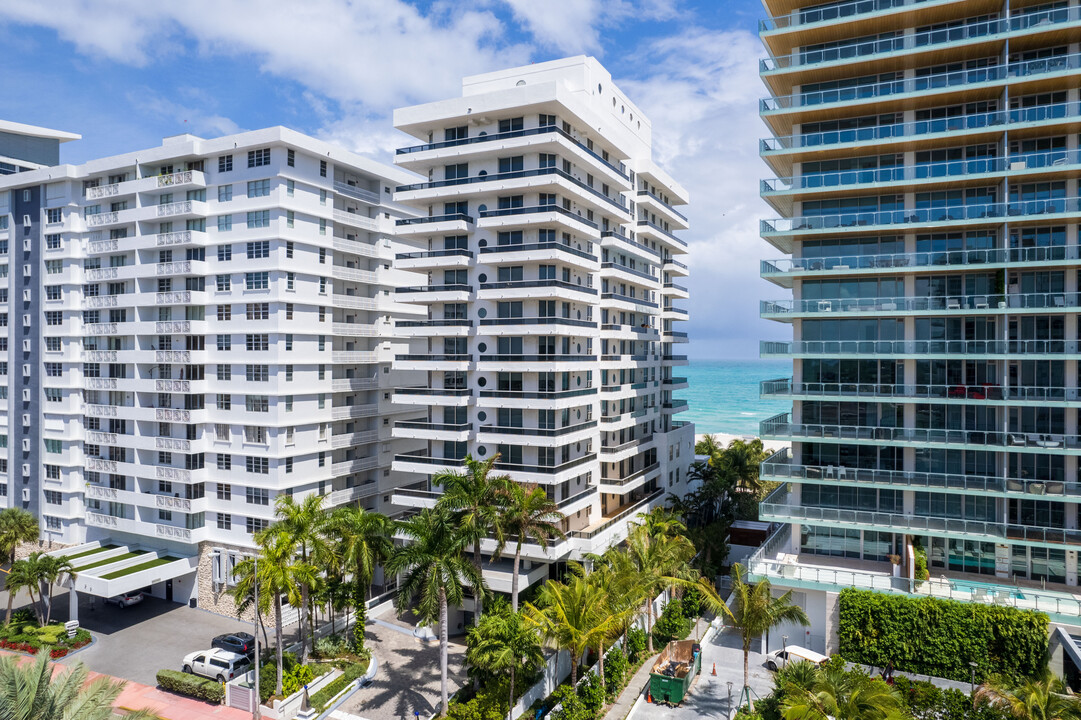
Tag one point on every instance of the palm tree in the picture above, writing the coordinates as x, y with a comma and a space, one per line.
755, 611
528, 516
840, 695
365, 539
52, 568
37, 573
708, 446
501, 643
435, 572
743, 459
570, 616
1043, 698
30, 692
16, 527
305, 522
21, 576
660, 562
279, 573
476, 499
662, 522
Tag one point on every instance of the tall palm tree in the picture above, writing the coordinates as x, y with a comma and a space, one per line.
570, 616
21, 576
279, 575
30, 692
476, 498
662, 522
743, 459
616, 571
1043, 698
837, 694
16, 527
708, 446
365, 539
528, 516
305, 522
435, 573
755, 611
37, 573
501, 643
52, 568
660, 562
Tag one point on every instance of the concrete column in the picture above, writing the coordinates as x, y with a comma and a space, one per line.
833, 623
73, 603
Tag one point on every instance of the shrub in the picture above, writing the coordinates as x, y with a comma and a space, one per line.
191, 685
692, 603
591, 693
940, 637
331, 646
672, 624
615, 667
350, 673
636, 643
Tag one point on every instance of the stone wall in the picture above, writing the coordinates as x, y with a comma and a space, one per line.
219, 601
24, 549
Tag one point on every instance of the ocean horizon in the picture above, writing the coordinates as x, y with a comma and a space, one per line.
722, 395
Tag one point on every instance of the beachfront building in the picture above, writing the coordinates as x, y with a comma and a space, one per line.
189, 332
27, 147
927, 166
551, 300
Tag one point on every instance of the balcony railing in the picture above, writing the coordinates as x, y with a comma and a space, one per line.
936, 82
435, 219
943, 258
623, 238
654, 227
656, 198
435, 358
1061, 160
832, 12
634, 475
453, 392
539, 395
920, 347
780, 426
356, 192
569, 322
926, 40
434, 288
536, 431
525, 284
983, 392
955, 124
632, 509
455, 252
916, 216
535, 209
432, 323
779, 467
546, 247
546, 469
961, 303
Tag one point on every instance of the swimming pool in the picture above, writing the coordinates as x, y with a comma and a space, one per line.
989, 588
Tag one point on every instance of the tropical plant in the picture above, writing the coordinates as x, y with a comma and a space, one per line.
305, 522
38, 573
476, 499
434, 573
838, 694
528, 516
662, 522
30, 691
1042, 698
277, 572
754, 611
501, 644
365, 539
708, 446
660, 562
20, 577
572, 616
742, 459
16, 527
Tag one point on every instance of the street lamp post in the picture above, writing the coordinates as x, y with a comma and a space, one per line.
255, 711
729, 698
972, 681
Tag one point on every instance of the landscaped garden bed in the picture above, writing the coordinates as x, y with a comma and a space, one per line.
110, 560
136, 568
23, 634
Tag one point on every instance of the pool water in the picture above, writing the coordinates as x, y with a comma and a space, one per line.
971, 587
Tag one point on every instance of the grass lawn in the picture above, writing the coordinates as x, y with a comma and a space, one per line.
136, 568
94, 551
107, 561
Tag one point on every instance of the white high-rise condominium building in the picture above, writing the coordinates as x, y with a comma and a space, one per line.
551, 300
189, 332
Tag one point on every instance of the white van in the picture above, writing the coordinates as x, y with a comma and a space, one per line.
793, 653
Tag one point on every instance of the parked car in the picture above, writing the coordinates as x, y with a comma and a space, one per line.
216, 664
241, 643
793, 653
127, 599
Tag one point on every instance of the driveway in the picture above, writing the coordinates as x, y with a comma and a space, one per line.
408, 675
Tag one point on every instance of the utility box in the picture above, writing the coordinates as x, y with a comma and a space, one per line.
676, 669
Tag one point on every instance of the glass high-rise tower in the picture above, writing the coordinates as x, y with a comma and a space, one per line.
926, 194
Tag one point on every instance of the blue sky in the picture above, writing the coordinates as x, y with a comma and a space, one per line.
126, 73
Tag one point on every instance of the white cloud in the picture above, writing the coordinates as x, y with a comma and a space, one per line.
700, 91
575, 26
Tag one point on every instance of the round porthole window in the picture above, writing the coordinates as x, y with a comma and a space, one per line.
481, 450
482, 133
482, 382
482, 312
482, 173
579, 385
579, 412
622, 109
482, 243
483, 208
579, 314
483, 277
482, 416
600, 88
579, 447
520, 83
579, 348
483, 347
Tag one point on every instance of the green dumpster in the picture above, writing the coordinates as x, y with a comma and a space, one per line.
676, 669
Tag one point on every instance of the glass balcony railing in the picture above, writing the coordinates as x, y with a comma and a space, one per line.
780, 468
435, 219
784, 387
831, 13
537, 209
917, 216
780, 426
925, 83
938, 258
1061, 160
960, 303
989, 348
927, 40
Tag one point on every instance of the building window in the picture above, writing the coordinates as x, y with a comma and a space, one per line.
257, 281
290, 187
225, 252
257, 403
54, 446
225, 521
52, 242
225, 223
288, 311
291, 157
54, 215
322, 168
166, 515
290, 218
52, 523
257, 343
225, 193
225, 343
53, 497
258, 465
258, 311
259, 219
257, 373
289, 249
223, 283
260, 249
258, 188
258, 158
224, 402
255, 525
225, 372
322, 256
322, 197
322, 226
290, 281
225, 163
225, 312
256, 496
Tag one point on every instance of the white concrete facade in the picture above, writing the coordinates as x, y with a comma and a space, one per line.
549, 298
195, 329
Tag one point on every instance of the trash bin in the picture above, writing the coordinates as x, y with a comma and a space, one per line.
191, 603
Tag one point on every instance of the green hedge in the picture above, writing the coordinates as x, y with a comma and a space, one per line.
191, 685
940, 637
320, 699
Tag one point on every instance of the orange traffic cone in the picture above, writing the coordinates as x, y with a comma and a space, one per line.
649, 696
714, 669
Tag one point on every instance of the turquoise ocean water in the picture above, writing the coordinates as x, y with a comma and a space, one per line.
723, 394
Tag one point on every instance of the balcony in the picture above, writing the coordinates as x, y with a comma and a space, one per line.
360, 357
613, 239
432, 431
348, 467
536, 432
537, 214
356, 193
832, 13
674, 406
645, 226
546, 469
639, 474
342, 272
922, 349
779, 427
528, 325
457, 257
440, 328
356, 220
522, 288
355, 439
951, 393
346, 412
435, 293
966, 304
640, 304
543, 251
347, 329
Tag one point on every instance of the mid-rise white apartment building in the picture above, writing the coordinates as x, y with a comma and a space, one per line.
550, 300
190, 331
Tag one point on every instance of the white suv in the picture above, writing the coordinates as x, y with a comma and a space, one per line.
217, 664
